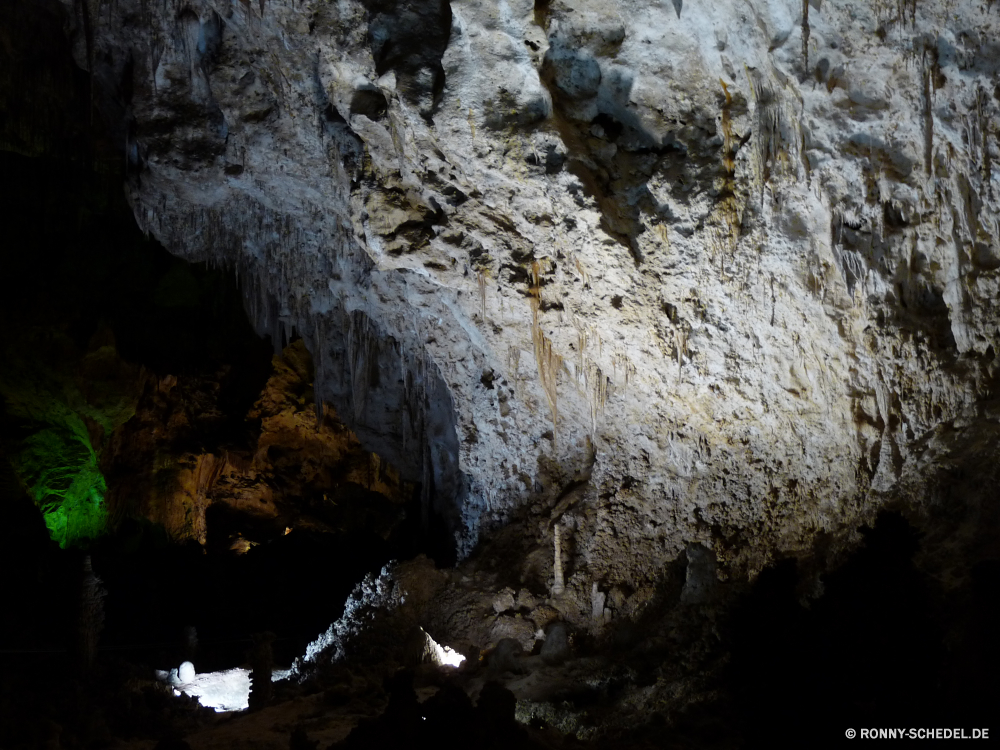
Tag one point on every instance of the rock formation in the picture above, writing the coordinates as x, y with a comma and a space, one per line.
730, 266
667, 292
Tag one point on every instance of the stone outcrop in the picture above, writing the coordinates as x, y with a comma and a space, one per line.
661, 274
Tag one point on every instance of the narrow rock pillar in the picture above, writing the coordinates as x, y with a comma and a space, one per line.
558, 585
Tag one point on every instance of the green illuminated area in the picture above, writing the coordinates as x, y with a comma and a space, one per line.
83, 293
59, 411
59, 466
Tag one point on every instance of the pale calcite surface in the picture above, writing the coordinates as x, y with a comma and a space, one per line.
748, 338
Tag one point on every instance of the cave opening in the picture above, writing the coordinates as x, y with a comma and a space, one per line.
148, 434
180, 453
883, 643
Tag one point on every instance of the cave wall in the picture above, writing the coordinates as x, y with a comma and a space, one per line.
661, 273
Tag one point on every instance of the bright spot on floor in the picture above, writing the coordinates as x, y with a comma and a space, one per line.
224, 691
442, 655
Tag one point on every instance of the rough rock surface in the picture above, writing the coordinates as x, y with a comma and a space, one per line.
663, 274
171, 463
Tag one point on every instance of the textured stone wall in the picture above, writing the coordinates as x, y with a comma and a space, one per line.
662, 273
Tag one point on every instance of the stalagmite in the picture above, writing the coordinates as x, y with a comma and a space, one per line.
597, 599
91, 615
558, 586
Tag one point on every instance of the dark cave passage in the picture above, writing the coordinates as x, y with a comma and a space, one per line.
78, 279
884, 645
144, 366
146, 426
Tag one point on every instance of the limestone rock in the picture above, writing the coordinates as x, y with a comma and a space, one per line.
678, 250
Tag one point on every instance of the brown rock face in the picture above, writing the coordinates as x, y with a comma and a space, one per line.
181, 462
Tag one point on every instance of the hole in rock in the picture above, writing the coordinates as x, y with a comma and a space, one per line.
410, 38
143, 422
370, 103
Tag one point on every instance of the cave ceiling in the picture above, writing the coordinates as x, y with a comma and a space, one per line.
625, 304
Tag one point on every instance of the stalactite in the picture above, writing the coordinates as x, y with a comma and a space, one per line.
597, 387
805, 34
276, 331
770, 155
548, 361
983, 127
481, 282
426, 464
927, 74
729, 209
425, 486
362, 350
318, 369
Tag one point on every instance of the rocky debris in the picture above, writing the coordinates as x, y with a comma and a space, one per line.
447, 719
